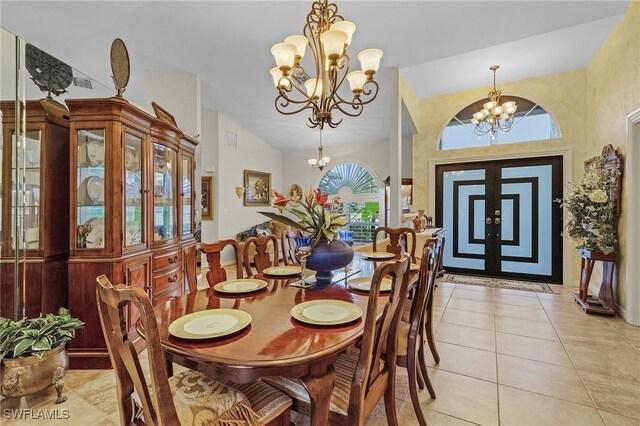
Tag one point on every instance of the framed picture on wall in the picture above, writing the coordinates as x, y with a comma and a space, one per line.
257, 188
206, 189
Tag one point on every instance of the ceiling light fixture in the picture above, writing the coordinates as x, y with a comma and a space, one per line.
328, 36
322, 160
493, 116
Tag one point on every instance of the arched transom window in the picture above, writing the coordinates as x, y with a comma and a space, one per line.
531, 123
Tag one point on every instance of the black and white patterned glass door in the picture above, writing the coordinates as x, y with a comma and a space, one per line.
501, 219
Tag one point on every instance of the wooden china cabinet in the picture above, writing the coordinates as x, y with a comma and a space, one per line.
131, 211
43, 249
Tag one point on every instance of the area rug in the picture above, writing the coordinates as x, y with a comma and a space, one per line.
499, 283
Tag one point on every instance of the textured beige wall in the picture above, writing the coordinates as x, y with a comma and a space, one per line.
613, 92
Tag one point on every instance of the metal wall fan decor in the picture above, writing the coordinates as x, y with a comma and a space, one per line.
51, 75
120, 66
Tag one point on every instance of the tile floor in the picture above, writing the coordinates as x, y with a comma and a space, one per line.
507, 357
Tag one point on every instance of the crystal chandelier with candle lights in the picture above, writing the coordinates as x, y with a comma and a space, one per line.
328, 36
493, 116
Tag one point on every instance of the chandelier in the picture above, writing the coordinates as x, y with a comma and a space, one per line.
328, 36
493, 116
322, 160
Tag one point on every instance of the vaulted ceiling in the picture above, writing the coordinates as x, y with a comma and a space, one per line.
440, 46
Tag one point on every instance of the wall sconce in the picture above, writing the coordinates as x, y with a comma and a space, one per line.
239, 191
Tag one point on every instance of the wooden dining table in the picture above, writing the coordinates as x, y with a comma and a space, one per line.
274, 344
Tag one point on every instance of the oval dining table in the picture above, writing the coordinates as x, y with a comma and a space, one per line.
274, 344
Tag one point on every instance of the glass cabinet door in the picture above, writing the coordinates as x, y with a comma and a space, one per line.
187, 195
90, 190
26, 202
164, 193
133, 201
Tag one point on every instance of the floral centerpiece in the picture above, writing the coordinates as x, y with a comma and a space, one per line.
318, 218
593, 221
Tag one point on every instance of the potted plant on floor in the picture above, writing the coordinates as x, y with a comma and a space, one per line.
319, 218
33, 353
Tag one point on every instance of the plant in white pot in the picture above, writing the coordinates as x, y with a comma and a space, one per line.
33, 353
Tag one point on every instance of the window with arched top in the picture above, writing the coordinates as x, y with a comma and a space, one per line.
360, 197
531, 122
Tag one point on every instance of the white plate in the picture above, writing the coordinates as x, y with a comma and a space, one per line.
364, 284
210, 323
245, 285
377, 255
283, 270
95, 189
95, 153
326, 312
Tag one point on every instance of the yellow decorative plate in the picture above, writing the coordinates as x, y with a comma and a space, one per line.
326, 312
209, 324
245, 285
364, 284
283, 270
377, 255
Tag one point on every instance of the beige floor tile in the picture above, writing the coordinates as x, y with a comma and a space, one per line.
508, 299
101, 393
532, 348
622, 362
466, 336
470, 305
629, 332
614, 394
543, 378
462, 397
79, 412
521, 312
76, 378
30, 401
538, 329
478, 288
519, 407
407, 417
440, 301
519, 293
402, 383
468, 318
378, 416
462, 293
466, 361
612, 419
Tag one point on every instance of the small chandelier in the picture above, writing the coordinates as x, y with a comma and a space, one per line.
328, 36
322, 161
493, 116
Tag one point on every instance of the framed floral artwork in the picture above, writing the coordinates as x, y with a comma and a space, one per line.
257, 187
206, 190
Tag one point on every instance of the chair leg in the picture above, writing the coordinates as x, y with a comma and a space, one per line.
414, 380
431, 340
390, 402
418, 378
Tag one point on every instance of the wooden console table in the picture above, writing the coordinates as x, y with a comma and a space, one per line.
605, 302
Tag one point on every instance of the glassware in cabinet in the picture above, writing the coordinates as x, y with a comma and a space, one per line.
164, 193
90, 189
133, 184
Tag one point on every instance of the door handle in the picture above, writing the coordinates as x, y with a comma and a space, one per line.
488, 221
497, 221
497, 213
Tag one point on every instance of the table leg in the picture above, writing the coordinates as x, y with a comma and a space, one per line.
319, 385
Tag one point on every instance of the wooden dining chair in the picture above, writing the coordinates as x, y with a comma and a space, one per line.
411, 334
398, 241
186, 398
262, 258
191, 268
288, 243
213, 251
438, 255
366, 374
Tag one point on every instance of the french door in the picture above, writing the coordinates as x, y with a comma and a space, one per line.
501, 218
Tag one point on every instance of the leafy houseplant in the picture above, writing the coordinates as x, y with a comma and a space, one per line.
33, 354
593, 221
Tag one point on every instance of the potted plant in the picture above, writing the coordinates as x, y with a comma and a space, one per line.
593, 222
33, 353
319, 218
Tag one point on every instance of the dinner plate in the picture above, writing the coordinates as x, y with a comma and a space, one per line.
326, 312
377, 255
283, 270
364, 284
95, 238
209, 324
245, 285
95, 153
95, 188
